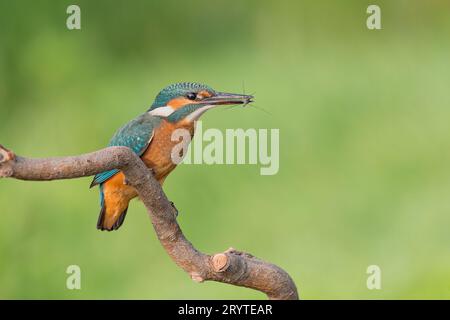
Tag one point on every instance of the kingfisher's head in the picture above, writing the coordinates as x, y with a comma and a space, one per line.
189, 100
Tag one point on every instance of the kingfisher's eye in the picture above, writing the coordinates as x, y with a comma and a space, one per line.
191, 95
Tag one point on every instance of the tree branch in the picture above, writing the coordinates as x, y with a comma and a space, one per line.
231, 266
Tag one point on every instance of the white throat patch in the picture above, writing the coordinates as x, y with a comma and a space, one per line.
162, 111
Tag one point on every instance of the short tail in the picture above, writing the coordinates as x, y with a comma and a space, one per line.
112, 218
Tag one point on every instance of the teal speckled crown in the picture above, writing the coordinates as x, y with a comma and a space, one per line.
177, 90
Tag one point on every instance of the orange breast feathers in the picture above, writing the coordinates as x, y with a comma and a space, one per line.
158, 155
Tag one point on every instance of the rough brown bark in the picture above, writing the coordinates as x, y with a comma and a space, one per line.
231, 266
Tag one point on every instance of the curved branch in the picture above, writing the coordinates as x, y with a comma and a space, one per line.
231, 266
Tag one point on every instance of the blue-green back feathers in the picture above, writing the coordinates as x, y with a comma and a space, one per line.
135, 135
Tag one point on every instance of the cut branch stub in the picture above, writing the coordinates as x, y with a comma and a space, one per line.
220, 262
5, 154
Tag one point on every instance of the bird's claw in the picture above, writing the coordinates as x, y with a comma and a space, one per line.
176, 210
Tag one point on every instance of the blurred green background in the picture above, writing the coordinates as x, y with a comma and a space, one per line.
364, 140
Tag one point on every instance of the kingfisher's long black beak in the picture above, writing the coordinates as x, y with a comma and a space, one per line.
222, 98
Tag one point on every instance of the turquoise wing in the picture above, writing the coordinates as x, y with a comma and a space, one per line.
136, 135
102, 177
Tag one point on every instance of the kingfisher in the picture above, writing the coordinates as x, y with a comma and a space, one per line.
149, 135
